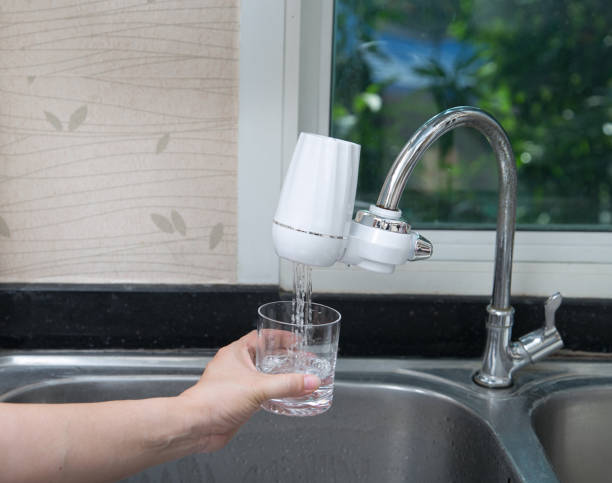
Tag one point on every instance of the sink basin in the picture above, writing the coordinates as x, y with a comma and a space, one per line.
575, 428
392, 420
373, 432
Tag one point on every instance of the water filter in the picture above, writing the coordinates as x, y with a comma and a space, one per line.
313, 219
313, 224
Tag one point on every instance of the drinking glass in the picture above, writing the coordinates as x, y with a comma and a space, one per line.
284, 346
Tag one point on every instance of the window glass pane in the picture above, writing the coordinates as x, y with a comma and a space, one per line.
543, 68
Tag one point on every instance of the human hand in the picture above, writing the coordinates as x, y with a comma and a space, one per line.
231, 390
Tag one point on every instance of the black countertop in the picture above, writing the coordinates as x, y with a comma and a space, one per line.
168, 317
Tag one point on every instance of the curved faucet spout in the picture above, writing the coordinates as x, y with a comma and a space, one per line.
414, 149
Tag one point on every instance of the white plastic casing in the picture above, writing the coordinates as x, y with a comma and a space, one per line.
378, 250
313, 219
382, 242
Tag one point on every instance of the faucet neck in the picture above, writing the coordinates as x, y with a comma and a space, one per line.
428, 134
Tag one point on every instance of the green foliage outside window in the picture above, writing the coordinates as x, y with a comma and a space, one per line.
543, 68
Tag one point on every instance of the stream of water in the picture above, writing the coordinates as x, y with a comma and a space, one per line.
302, 294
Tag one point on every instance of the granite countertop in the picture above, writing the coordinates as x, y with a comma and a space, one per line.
170, 317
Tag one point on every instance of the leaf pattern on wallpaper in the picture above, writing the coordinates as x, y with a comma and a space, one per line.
162, 223
216, 234
162, 144
53, 120
178, 222
4, 229
77, 118
93, 121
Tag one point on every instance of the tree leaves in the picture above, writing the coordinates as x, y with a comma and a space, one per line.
77, 118
216, 234
162, 144
54, 121
4, 229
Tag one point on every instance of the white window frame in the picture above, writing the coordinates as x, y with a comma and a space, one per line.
285, 72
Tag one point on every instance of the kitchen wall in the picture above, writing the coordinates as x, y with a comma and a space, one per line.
118, 141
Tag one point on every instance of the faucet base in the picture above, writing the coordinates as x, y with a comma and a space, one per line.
500, 356
492, 382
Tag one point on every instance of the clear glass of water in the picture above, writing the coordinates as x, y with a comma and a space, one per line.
284, 346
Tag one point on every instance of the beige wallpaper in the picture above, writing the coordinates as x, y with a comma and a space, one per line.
118, 140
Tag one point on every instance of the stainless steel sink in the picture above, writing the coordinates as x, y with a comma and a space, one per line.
374, 431
392, 420
575, 428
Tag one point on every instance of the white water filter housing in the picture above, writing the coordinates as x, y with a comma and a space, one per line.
313, 219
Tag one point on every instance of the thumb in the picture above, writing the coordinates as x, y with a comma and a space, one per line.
288, 385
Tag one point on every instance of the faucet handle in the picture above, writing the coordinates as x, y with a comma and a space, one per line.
550, 307
544, 341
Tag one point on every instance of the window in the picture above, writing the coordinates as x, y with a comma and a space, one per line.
543, 68
455, 188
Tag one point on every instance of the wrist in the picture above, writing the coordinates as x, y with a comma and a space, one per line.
177, 435
195, 420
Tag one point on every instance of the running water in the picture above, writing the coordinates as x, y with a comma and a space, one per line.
302, 356
302, 294
301, 314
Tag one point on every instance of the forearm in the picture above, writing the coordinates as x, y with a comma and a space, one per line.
93, 442
103, 442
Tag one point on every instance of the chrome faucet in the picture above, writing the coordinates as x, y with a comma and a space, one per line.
312, 225
501, 356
